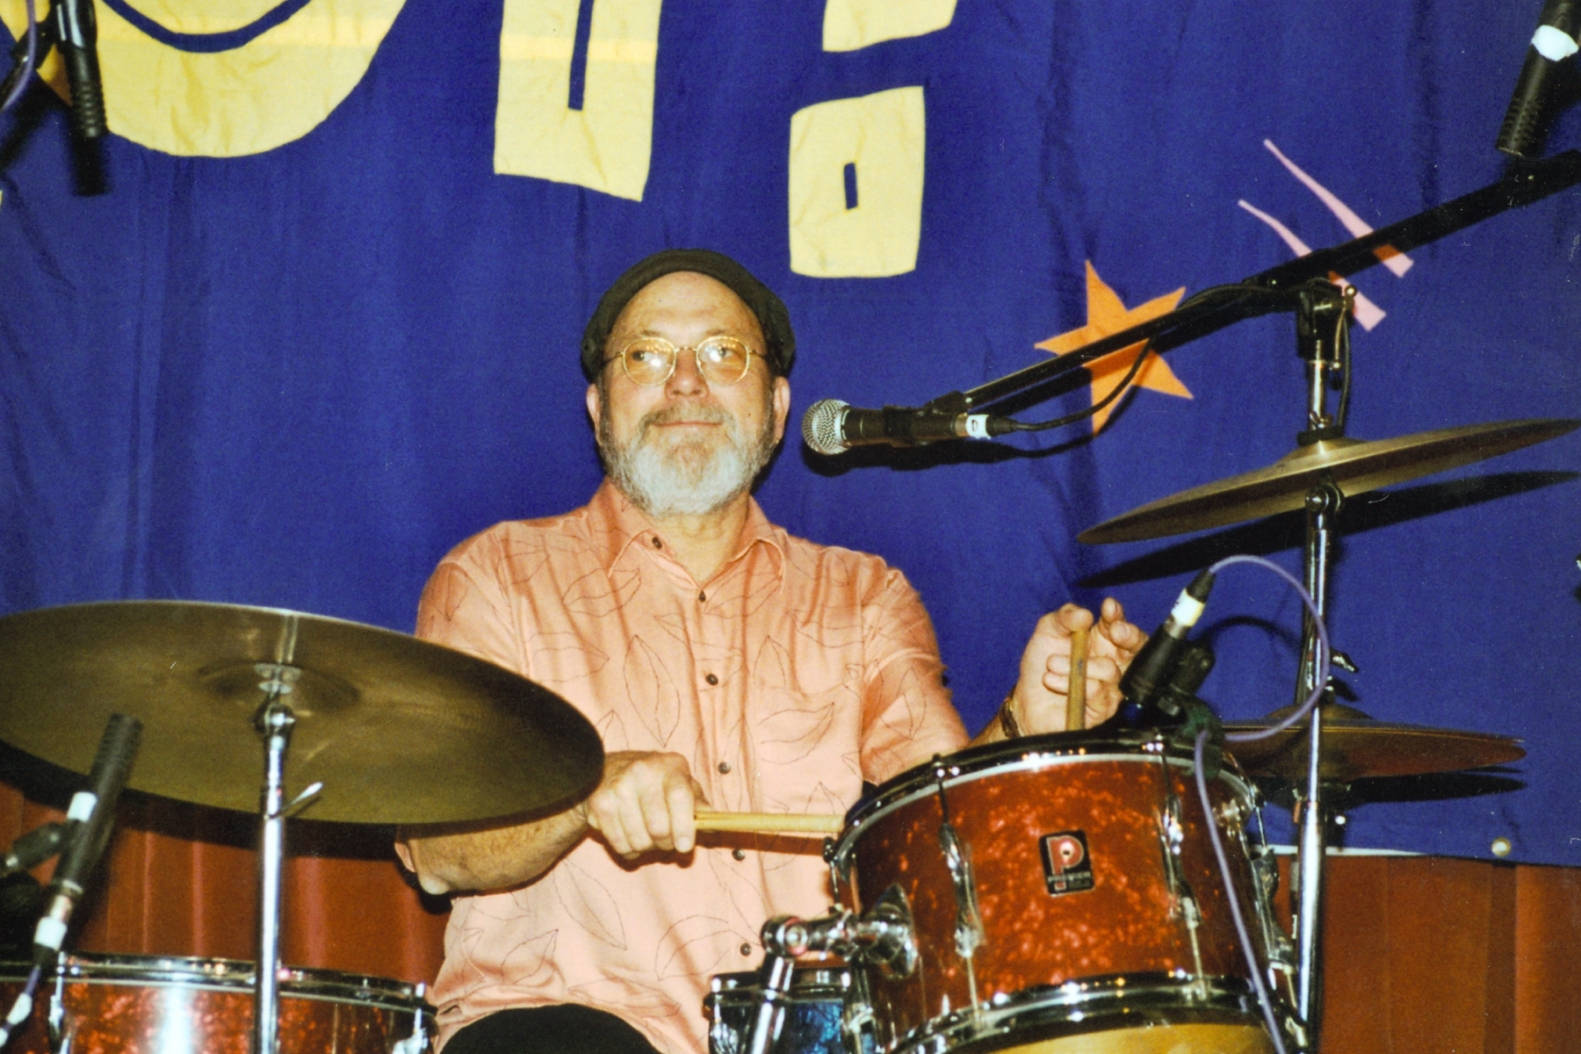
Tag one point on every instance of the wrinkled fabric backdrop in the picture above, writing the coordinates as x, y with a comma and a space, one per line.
321, 323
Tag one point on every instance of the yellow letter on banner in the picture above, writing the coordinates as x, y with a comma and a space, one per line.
269, 91
880, 139
852, 24
606, 144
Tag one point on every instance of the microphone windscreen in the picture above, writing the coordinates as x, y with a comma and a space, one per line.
822, 426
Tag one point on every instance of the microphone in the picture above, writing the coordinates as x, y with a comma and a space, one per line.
94, 811
1153, 669
77, 34
831, 426
1555, 40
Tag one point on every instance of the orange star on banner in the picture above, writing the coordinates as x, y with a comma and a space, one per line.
1106, 315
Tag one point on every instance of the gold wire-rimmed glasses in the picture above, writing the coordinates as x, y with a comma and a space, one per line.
650, 361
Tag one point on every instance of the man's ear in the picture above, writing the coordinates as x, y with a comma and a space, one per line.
781, 406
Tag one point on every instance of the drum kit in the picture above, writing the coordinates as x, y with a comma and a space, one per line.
1096, 891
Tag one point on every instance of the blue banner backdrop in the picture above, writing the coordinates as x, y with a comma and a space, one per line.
321, 323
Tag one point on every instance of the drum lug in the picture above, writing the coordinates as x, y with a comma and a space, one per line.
968, 920
1171, 836
839, 872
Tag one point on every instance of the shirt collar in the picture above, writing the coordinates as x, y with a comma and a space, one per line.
621, 527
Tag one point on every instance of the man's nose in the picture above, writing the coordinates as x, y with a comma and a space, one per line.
687, 377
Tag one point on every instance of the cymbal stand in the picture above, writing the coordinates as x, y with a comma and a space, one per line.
274, 722
1322, 315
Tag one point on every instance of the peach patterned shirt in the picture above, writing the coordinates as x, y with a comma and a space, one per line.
791, 676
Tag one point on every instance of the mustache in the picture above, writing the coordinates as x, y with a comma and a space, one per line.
671, 414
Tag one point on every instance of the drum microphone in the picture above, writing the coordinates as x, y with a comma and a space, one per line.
831, 426
1153, 668
93, 811
75, 31
1555, 40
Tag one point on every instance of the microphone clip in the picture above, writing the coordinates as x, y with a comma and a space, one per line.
1188, 715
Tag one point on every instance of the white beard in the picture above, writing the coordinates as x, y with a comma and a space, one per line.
689, 476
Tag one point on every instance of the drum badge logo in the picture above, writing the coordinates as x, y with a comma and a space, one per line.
1066, 867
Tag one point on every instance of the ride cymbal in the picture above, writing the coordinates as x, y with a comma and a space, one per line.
1354, 465
397, 729
1357, 747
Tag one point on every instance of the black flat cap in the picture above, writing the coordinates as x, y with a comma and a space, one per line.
759, 298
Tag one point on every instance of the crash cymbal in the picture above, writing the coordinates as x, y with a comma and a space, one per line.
398, 730
1357, 747
1353, 465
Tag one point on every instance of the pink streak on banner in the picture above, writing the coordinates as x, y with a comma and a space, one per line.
1367, 313
1389, 256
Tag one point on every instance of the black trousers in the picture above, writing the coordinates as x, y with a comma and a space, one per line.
562, 1029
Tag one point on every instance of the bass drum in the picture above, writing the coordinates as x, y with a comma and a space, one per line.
1064, 896
117, 1004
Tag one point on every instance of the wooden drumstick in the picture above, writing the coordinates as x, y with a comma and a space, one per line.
769, 822
1076, 698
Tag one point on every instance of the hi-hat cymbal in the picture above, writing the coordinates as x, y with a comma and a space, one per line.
1357, 747
1353, 465
397, 729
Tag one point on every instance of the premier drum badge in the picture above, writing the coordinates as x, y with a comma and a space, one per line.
1066, 865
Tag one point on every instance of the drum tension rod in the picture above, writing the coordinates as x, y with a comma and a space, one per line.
957, 859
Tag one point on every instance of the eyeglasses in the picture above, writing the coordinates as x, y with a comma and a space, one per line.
650, 361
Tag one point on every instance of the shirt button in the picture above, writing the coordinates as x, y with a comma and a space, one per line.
739, 854
702, 597
724, 767
658, 543
711, 679
746, 949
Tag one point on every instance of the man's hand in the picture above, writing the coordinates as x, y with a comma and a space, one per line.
645, 801
1038, 701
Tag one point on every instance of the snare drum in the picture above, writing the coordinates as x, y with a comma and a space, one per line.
104, 1004
819, 1016
1063, 895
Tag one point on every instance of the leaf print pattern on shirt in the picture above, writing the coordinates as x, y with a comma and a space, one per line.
743, 895
524, 559
531, 962
589, 904
792, 717
652, 687
697, 937
596, 595
446, 591
563, 658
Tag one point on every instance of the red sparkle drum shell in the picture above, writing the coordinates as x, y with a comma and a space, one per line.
1083, 928
174, 1005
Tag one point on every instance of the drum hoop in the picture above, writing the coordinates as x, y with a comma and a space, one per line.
818, 984
1158, 997
1030, 753
222, 975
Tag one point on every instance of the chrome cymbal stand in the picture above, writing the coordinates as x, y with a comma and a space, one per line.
274, 722
1322, 317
